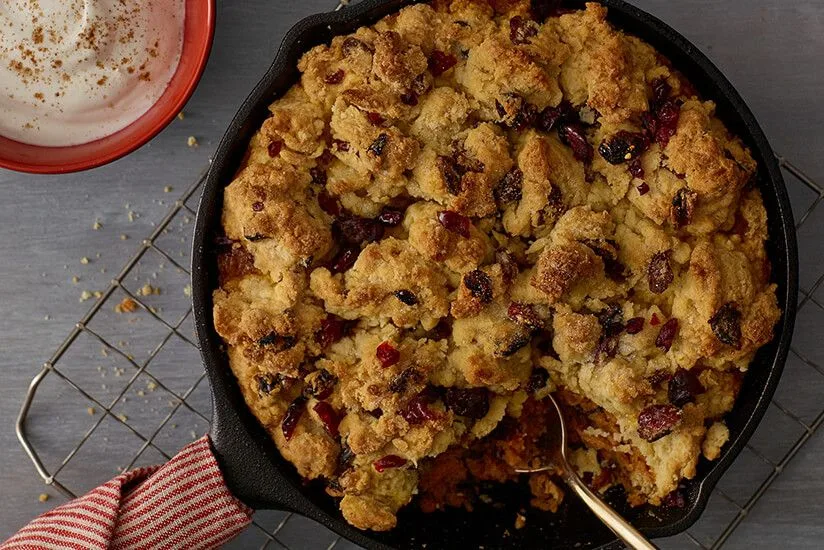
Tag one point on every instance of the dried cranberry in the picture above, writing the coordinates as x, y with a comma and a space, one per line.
611, 319
659, 272
352, 44
654, 320
409, 98
328, 203
683, 206
344, 260
524, 314
667, 116
660, 92
454, 222
389, 461
509, 266
674, 500
277, 342
401, 382
656, 421
387, 354
334, 78
574, 135
643, 188
514, 342
537, 379
374, 118
440, 62
623, 146
390, 218
607, 347
509, 188
329, 416
274, 148
551, 117
470, 402
450, 173
541, 9
292, 416
417, 411
634, 325
524, 117
340, 145
683, 387
667, 334
355, 230
479, 285
257, 206
521, 30
377, 146
331, 330
406, 296
636, 170
726, 325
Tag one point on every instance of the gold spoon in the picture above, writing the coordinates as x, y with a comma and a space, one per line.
558, 460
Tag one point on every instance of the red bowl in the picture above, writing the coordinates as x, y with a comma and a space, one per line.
197, 42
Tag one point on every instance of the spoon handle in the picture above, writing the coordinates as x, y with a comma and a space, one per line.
621, 527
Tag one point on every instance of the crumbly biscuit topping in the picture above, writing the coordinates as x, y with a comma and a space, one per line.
465, 207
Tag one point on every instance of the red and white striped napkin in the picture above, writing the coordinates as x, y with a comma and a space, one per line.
182, 504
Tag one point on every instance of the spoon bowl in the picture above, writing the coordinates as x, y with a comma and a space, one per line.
556, 460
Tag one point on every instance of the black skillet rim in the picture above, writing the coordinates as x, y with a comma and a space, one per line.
237, 438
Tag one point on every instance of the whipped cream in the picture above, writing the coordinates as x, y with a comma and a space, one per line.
73, 71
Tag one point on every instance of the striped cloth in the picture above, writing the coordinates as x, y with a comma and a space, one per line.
182, 504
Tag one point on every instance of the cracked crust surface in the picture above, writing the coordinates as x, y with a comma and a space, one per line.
435, 228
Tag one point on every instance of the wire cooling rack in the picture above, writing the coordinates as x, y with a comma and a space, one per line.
142, 406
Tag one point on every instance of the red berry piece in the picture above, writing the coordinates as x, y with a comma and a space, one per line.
274, 148
643, 188
329, 417
257, 206
334, 78
328, 203
521, 30
345, 259
331, 330
454, 222
654, 320
440, 62
667, 334
573, 135
656, 421
389, 461
374, 118
387, 354
293, 414
479, 285
524, 314
635, 325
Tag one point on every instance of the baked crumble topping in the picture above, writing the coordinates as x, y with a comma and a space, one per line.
465, 207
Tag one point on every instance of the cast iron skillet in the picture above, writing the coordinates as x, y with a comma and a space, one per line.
258, 475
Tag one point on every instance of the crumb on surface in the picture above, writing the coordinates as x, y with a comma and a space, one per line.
126, 305
91, 411
43, 497
191, 141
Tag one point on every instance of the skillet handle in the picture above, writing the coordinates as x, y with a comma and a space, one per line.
183, 503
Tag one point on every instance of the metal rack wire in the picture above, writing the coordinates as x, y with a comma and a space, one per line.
734, 498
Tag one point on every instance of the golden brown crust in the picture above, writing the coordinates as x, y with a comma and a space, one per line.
444, 221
